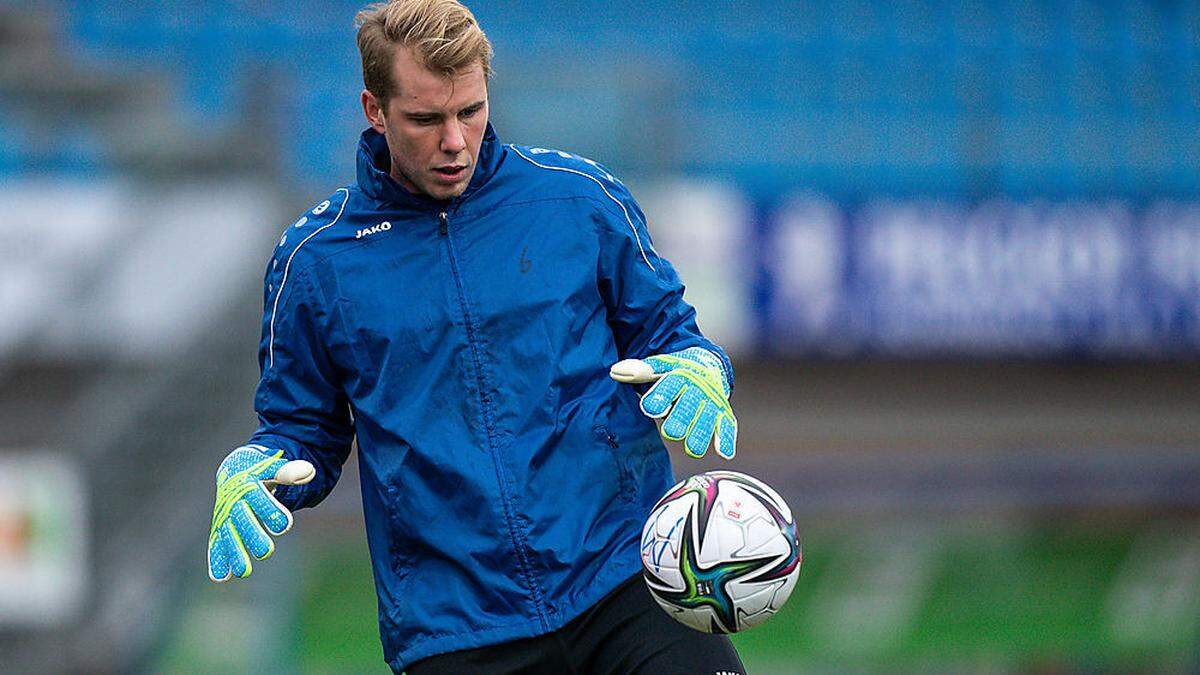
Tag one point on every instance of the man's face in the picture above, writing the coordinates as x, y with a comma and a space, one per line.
433, 124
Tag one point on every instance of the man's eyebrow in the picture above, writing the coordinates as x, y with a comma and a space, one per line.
429, 114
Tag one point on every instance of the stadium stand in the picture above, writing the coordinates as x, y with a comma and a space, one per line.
856, 98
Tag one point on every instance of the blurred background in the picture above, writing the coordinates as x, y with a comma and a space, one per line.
954, 248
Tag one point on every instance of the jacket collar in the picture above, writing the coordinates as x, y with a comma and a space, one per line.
374, 163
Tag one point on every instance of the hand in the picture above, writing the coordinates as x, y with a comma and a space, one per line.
691, 393
245, 505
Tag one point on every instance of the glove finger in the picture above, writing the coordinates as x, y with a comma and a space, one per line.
227, 556
660, 365
701, 433
726, 442
218, 557
294, 472
253, 536
251, 458
658, 399
679, 422
239, 559
274, 516
671, 446
266, 470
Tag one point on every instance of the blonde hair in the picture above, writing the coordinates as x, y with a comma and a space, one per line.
444, 36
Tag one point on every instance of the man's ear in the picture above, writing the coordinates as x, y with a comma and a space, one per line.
373, 110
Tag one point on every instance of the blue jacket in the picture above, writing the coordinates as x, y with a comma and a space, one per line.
505, 477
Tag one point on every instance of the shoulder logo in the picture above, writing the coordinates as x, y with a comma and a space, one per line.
321, 208
302, 222
367, 231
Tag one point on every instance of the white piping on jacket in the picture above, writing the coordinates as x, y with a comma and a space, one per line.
629, 220
288, 265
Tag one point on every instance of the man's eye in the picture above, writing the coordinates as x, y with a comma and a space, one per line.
424, 121
469, 112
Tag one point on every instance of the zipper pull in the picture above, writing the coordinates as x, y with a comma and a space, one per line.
444, 223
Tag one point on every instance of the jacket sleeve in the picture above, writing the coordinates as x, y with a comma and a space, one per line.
301, 408
642, 292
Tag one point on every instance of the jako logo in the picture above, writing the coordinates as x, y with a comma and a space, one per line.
382, 227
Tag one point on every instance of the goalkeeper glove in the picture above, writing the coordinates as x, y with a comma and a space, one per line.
689, 399
245, 506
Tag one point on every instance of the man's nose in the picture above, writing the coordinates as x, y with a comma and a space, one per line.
453, 140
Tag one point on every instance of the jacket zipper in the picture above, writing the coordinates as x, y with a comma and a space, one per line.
623, 472
515, 537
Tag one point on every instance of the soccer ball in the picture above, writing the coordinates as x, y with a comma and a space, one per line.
720, 552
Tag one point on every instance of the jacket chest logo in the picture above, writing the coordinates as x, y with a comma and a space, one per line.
525, 263
367, 231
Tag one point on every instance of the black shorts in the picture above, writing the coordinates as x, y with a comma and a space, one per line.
626, 632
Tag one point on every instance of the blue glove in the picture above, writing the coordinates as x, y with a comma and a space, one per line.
246, 510
689, 399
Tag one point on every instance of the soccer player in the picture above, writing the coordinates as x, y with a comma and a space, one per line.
459, 310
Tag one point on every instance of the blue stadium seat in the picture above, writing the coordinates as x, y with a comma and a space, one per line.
858, 95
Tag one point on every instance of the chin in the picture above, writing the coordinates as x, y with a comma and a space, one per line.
444, 193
